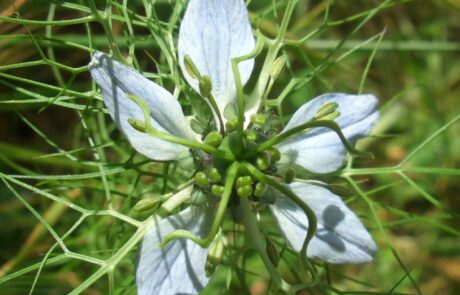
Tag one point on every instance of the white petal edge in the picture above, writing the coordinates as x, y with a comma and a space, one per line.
212, 33
179, 268
320, 150
116, 80
340, 238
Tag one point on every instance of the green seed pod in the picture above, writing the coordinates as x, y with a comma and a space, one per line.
191, 68
231, 124
326, 109
260, 189
259, 119
214, 257
205, 86
289, 176
244, 191
214, 175
137, 124
201, 179
213, 138
217, 190
273, 253
243, 181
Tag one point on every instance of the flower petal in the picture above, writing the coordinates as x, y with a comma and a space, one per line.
212, 33
320, 150
116, 81
340, 238
179, 268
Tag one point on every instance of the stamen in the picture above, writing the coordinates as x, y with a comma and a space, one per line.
213, 138
191, 68
201, 179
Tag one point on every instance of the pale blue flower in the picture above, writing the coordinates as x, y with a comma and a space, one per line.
211, 34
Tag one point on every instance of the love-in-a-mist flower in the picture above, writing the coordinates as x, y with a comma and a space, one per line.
240, 165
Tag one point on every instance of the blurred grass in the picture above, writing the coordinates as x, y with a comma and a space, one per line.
56, 141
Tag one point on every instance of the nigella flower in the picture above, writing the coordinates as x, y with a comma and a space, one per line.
237, 163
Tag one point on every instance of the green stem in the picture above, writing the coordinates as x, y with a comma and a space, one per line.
312, 124
312, 222
212, 102
149, 129
228, 188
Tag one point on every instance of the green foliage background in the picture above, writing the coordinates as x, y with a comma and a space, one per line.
69, 179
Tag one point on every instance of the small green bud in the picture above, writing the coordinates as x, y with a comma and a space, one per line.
273, 253
289, 176
243, 181
201, 179
326, 109
191, 68
137, 124
213, 138
278, 66
205, 86
217, 190
244, 191
259, 119
214, 175
260, 189
251, 135
214, 257
275, 154
231, 124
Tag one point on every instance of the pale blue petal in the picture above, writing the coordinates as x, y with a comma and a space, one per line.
179, 268
213, 32
320, 150
116, 80
340, 238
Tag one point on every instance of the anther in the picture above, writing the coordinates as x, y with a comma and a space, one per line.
214, 175
278, 66
251, 135
243, 181
201, 179
272, 252
191, 68
217, 190
259, 119
205, 86
289, 176
231, 124
260, 189
244, 191
214, 257
326, 110
213, 138
137, 124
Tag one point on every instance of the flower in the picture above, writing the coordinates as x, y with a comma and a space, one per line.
212, 33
